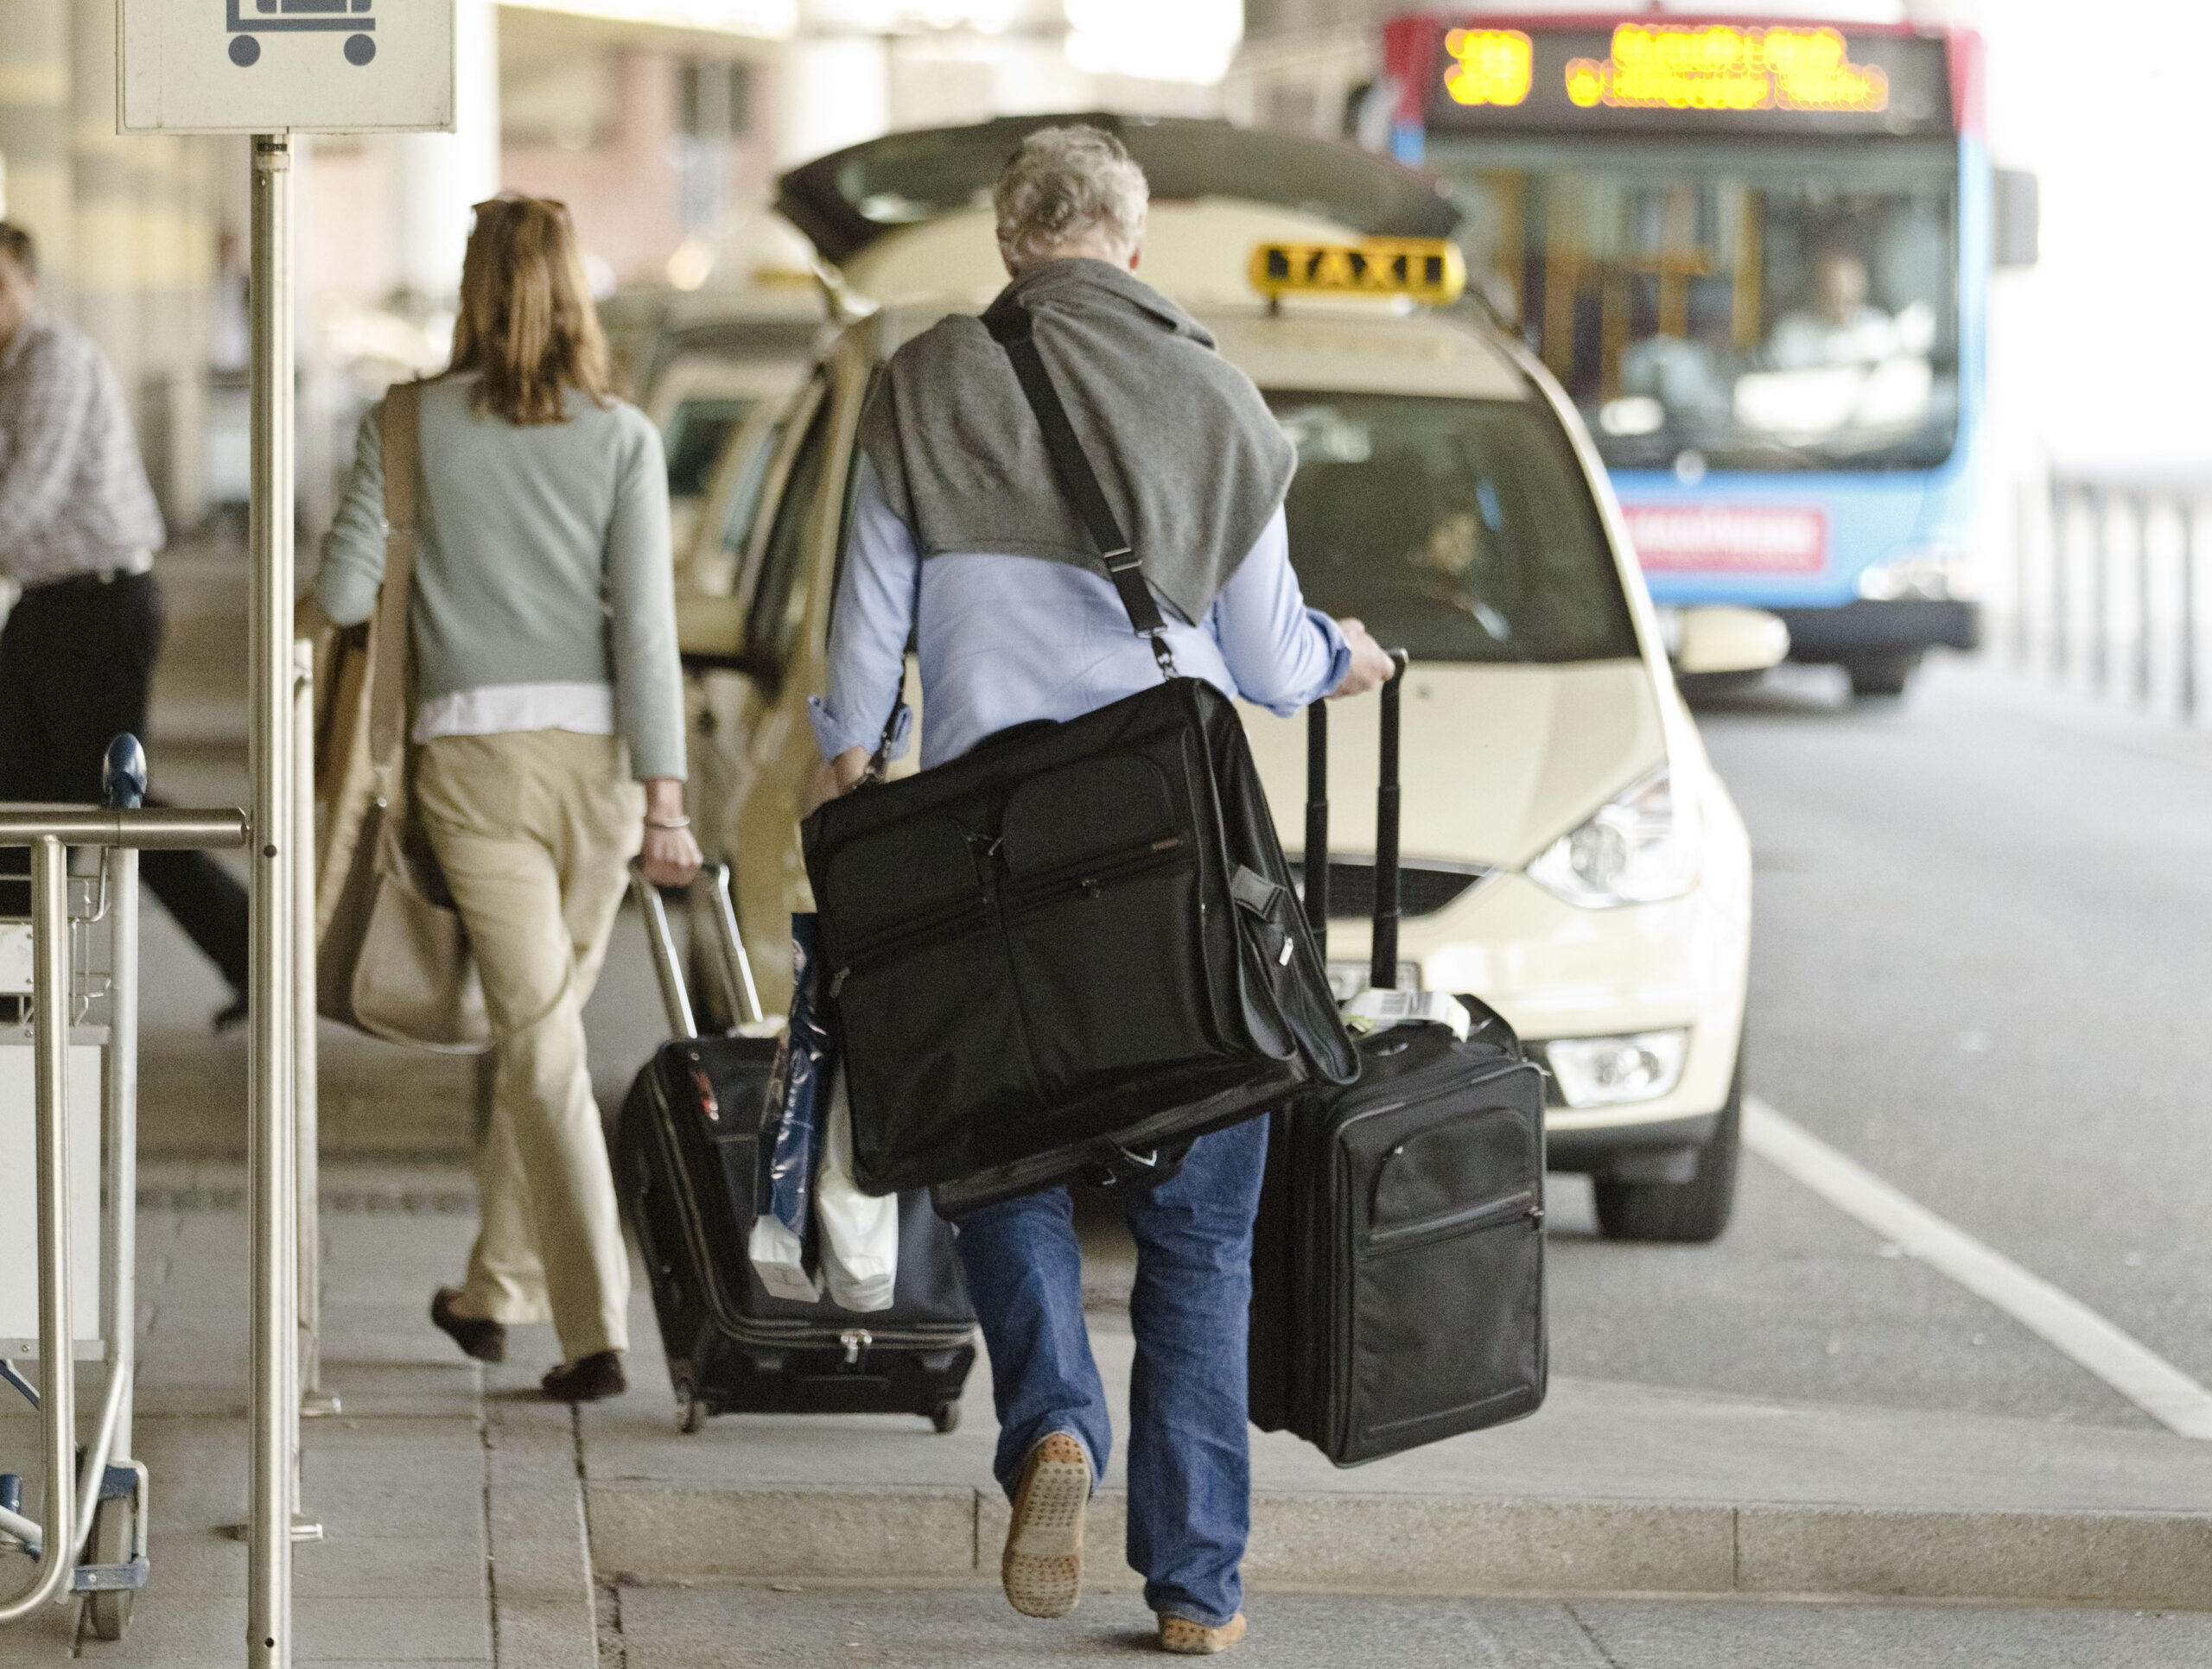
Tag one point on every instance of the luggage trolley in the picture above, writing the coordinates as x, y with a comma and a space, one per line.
71, 1096
348, 17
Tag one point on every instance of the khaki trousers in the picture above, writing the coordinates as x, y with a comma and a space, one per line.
535, 830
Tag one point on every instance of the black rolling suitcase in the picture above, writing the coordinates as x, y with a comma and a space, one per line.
1398, 1262
687, 1167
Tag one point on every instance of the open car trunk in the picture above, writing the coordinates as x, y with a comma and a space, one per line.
847, 201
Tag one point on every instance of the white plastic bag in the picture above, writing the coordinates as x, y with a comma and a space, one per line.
860, 1232
779, 1258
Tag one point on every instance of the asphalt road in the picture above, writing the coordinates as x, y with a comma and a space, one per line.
1978, 913
1980, 926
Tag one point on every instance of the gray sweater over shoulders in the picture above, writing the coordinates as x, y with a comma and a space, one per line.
541, 556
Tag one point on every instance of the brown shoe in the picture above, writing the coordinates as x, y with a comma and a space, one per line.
1196, 1639
1042, 1568
486, 1340
588, 1379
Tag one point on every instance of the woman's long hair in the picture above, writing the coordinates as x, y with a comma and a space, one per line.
527, 325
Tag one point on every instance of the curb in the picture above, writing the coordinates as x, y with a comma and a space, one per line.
1439, 1545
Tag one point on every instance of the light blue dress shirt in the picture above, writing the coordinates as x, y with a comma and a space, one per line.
1007, 640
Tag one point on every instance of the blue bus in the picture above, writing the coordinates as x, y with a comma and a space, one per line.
1756, 254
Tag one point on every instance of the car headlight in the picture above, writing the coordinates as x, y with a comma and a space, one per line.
1605, 1071
1640, 846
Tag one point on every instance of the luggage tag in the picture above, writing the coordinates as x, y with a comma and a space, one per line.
1378, 1010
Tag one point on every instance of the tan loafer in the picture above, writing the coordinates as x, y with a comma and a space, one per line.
1196, 1639
1042, 1568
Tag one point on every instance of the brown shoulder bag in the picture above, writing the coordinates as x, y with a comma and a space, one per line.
392, 957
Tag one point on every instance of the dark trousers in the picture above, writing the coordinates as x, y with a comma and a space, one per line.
76, 662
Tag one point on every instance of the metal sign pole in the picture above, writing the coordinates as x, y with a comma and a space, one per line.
271, 1179
314, 1399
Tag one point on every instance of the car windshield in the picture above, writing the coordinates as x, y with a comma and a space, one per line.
1458, 529
1779, 308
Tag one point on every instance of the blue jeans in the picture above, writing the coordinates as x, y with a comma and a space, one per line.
1190, 1455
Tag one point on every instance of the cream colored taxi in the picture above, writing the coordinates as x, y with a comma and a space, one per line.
1570, 857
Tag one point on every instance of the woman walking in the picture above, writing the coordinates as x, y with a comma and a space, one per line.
550, 741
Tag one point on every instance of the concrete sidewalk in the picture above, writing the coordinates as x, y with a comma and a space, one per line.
449, 1495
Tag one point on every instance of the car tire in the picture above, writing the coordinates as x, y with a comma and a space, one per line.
1881, 674
1688, 1213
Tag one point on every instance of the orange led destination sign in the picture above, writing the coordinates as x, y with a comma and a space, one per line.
1490, 66
1645, 75
1719, 66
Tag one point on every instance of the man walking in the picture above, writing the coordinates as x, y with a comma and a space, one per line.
959, 543
78, 528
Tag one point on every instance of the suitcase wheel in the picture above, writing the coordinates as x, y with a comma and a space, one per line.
947, 1418
691, 1410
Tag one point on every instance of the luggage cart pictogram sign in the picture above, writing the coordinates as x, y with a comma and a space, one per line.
348, 17
271, 66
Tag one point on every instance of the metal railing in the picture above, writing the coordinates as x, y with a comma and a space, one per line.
71, 1494
2106, 582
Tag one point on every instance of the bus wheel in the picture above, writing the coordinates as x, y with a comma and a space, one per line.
1881, 672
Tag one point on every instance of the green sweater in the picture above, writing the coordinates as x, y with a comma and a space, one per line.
541, 556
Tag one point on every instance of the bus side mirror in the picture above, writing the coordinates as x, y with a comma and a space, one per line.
1725, 640
2015, 206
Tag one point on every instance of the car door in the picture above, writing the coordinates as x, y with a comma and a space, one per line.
719, 701
779, 656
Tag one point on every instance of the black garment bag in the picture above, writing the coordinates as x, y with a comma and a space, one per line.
1398, 1258
690, 1172
1068, 952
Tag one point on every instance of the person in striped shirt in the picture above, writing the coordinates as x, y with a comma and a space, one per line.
79, 527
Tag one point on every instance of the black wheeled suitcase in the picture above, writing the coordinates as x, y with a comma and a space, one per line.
687, 1167
1398, 1260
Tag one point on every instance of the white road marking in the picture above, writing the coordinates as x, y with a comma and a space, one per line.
2148, 1380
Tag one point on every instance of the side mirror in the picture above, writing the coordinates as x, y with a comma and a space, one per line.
1721, 639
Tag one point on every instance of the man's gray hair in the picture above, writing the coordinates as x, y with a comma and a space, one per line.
1068, 186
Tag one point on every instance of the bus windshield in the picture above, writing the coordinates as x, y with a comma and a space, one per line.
1763, 306
1459, 530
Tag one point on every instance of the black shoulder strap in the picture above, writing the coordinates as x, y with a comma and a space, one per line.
1011, 326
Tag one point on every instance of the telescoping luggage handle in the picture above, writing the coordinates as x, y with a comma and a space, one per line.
1383, 968
710, 897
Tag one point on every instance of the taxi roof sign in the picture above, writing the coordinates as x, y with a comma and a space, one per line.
1429, 270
